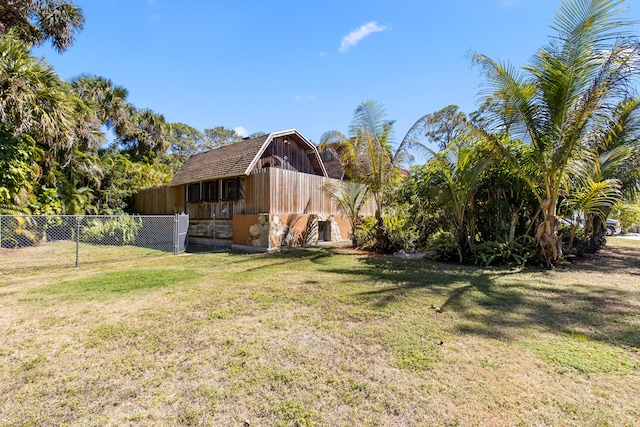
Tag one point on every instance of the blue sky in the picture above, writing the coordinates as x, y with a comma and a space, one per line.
304, 64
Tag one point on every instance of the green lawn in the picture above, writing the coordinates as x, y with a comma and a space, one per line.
315, 337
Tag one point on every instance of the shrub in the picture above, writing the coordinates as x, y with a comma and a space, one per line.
365, 234
20, 231
517, 252
443, 246
402, 234
120, 230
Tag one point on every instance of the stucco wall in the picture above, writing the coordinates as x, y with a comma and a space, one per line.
241, 225
344, 225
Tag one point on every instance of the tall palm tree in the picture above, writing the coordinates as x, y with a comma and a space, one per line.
368, 156
37, 105
36, 21
108, 100
560, 97
33, 99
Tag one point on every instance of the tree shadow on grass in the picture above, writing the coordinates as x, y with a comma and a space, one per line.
617, 256
285, 257
503, 303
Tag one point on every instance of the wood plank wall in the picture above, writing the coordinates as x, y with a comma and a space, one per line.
205, 210
257, 189
289, 156
160, 201
269, 190
282, 191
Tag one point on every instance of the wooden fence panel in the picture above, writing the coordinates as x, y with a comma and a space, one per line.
159, 201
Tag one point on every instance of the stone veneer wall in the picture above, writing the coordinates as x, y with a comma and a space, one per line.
201, 231
273, 231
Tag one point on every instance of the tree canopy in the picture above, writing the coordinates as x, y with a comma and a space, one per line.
38, 21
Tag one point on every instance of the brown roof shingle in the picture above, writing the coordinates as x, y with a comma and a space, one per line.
230, 160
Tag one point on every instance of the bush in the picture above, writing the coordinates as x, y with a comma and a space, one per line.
443, 246
401, 233
20, 231
365, 234
120, 230
517, 252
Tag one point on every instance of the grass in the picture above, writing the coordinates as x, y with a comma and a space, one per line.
321, 337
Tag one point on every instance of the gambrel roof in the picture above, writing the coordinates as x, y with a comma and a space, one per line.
239, 159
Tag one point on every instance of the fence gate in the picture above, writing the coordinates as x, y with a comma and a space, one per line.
180, 236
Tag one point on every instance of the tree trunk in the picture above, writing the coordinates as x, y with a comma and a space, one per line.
572, 238
596, 239
383, 243
548, 243
355, 223
515, 215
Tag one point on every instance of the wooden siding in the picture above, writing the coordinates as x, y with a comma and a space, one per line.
289, 156
257, 192
160, 201
269, 190
281, 191
206, 210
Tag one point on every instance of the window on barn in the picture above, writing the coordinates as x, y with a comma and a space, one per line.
193, 193
210, 191
231, 189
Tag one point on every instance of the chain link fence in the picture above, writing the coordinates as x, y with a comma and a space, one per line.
37, 241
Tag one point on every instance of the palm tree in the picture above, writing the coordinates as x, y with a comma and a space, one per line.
560, 97
43, 115
609, 171
149, 135
108, 100
455, 171
368, 156
351, 197
33, 99
35, 21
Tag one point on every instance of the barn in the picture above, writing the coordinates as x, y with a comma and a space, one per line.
260, 193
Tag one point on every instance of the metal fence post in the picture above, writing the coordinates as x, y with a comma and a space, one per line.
213, 231
77, 238
176, 248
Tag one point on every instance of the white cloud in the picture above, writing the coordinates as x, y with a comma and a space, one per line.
303, 98
354, 37
241, 131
